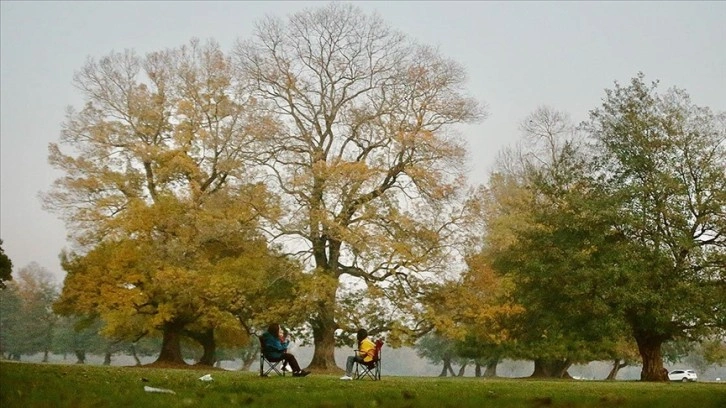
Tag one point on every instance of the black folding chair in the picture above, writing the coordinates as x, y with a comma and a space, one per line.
369, 369
267, 364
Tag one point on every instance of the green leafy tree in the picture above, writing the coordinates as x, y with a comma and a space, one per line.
11, 321
438, 349
79, 337
364, 157
663, 164
30, 329
547, 236
6, 267
714, 350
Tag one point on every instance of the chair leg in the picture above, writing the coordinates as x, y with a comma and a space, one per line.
271, 366
362, 371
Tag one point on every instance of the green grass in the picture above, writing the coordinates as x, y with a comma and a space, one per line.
78, 386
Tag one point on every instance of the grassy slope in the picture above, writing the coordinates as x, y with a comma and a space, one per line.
50, 385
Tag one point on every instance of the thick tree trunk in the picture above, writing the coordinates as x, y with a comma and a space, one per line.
324, 340
491, 370
649, 347
324, 326
551, 368
477, 369
107, 358
170, 344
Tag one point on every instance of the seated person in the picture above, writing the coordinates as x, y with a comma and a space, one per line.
366, 353
275, 349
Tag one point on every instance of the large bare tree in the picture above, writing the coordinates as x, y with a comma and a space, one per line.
364, 156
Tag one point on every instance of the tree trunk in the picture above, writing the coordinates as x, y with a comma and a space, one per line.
170, 344
133, 354
491, 370
477, 369
107, 359
462, 369
324, 341
249, 358
80, 356
551, 368
617, 365
649, 347
447, 367
206, 340
324, 326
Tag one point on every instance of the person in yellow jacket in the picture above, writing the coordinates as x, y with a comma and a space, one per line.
365, 354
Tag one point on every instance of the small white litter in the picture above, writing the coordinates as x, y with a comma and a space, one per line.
159, 390
207, 377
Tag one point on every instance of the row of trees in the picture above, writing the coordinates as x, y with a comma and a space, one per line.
314, 176
454, 357
611, 233
29, 326
200, 185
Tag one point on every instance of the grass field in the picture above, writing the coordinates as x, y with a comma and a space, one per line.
78, 386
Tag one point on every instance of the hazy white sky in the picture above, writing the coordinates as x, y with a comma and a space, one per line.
518, 55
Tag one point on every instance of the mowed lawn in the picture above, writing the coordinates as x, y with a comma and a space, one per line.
53, 385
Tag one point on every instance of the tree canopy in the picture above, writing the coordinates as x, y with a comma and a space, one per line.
158, 199
364, 157
6, 267
318, 161
605, 239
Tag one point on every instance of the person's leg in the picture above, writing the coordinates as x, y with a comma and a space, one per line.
349, 366
292, 361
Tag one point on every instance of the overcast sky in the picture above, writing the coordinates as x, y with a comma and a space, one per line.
518, 55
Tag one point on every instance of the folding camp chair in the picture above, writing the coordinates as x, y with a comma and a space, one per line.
370, 369
268, 364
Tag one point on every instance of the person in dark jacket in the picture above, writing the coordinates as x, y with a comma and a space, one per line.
275, 349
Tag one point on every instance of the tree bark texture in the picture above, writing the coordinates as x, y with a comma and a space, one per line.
491, 369
171, 344
324, 326
649, 347
544, 368
324, 337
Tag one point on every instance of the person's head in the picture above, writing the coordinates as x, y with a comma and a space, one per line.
362, 334
274, 329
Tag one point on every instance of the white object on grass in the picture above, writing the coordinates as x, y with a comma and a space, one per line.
207, 377
159, 390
